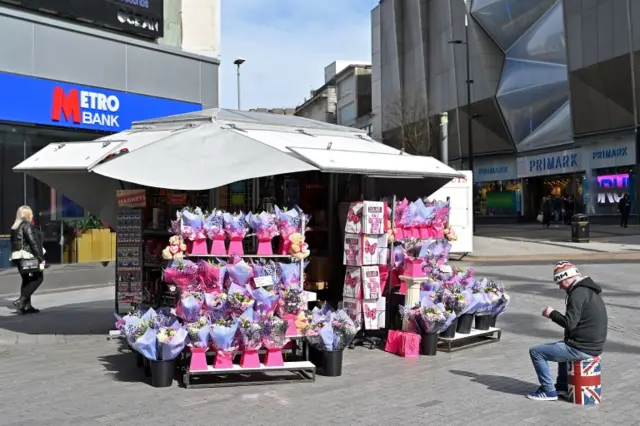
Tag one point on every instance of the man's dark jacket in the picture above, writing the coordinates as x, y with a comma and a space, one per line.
585, 322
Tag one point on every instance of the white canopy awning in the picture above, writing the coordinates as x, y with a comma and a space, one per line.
209, 149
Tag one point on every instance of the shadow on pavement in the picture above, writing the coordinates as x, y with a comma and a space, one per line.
122, 367
90, 318
501, 384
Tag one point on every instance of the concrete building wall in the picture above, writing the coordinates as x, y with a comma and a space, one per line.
58, 50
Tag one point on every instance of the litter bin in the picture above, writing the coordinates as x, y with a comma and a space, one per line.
580, 228
5, 252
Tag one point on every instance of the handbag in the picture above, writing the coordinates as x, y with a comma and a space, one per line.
539, 218
26, 266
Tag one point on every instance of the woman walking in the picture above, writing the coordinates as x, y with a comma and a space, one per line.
547, 211
27, 254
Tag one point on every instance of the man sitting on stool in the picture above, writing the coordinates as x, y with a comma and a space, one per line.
585, 331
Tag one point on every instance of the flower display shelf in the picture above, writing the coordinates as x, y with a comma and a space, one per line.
464, 341
251, 256
298, 371
412, 296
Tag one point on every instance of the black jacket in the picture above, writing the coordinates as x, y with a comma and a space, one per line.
29, 239
585, 322
624, 206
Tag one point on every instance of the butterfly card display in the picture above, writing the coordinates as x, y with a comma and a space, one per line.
370, 281
353, 282
354, 219
374, 217
370, 310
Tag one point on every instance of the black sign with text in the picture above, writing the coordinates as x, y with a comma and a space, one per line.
144, 18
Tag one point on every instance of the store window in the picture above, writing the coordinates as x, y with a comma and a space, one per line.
58, 216
605, 187
498, 198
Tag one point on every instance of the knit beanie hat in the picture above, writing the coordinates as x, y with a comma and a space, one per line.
563, 271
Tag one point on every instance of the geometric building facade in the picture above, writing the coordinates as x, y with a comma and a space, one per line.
555, 99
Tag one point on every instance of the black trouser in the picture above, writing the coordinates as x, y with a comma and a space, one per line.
546, 219
30, 283
624, 220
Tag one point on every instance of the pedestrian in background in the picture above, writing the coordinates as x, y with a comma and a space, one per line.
547, 211
27, 254
624, 207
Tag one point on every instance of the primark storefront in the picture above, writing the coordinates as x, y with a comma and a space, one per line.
67, 82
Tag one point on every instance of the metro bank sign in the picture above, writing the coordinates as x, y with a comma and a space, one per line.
84, 107
53, 103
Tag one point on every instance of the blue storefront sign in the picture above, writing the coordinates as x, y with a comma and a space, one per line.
52, 103
550, 164
495, 170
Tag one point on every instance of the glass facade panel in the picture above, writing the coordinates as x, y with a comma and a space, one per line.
499, 198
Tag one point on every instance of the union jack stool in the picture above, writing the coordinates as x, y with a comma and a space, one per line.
584, 381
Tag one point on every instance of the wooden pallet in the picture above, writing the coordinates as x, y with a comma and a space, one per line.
297, 371
464, 341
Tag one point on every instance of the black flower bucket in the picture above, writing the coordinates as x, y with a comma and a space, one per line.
429, 344
332, 365
162, 373
464, 324
139, 359
450, 332
483, 321
493, 321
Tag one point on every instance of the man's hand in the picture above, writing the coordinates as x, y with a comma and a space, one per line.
547, 311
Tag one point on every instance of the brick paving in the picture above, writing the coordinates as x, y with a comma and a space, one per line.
82, 379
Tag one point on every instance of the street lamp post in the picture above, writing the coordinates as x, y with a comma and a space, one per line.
470, 115
237, 63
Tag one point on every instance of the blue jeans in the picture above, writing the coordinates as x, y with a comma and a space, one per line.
558, 352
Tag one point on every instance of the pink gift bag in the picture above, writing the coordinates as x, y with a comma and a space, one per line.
393, 341
223, 360
410, 345
413, 267
274, 358
250, 359
424, 232
264, 247
217, 246
291, 320
198, 359
199, 246
235, 246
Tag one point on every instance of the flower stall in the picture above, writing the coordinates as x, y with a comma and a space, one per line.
232, 300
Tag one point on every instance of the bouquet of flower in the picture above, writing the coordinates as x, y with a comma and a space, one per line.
453, 298
291, 300
213, 225
164, 318
465, 276
289, 274
171, 342
199, 332
431, 316
239, 272
192, 224
181, 274
223, 332
288, 222
235, 225
266, 302
239, 299
335, 334
190, 306
216, 305
250, 331
264, 225
144, 340
211, 275
500, 306
275, 331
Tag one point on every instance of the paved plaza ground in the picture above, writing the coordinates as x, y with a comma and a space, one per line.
71, 374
